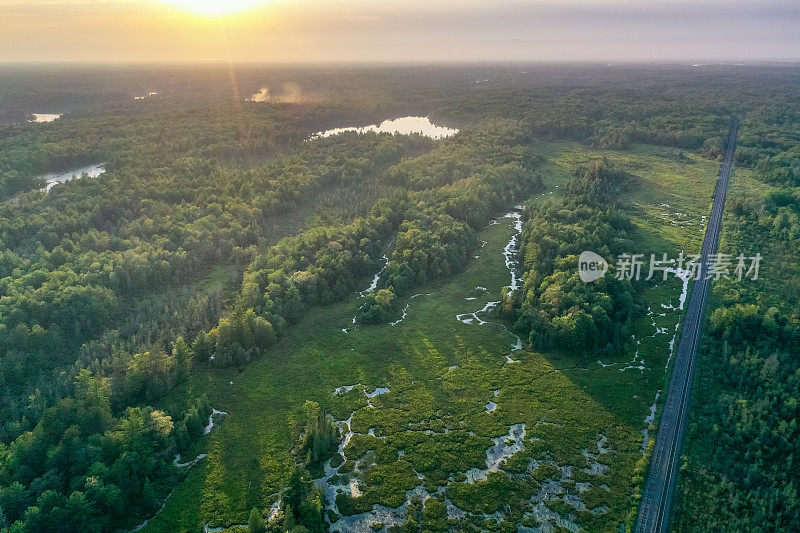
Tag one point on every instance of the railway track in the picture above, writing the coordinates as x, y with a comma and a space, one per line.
659, 492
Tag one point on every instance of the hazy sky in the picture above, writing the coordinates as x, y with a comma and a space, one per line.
403, 30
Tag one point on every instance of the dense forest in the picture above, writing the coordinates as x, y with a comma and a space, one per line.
81, 266
101, 248
219, 223
740, 470
556, 308
746, 465
74, 261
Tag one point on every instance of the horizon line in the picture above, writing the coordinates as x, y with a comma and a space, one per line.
412, 62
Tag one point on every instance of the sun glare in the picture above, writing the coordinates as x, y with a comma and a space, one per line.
214, 7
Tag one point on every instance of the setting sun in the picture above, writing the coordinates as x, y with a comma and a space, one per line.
214, 7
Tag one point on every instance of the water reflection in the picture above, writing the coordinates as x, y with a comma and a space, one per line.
145, 97
45, 117
404, 126
91, 171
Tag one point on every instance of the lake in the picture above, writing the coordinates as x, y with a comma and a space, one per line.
404, 126
45, 117
91, 171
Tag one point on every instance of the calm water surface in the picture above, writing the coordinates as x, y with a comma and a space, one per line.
404, 125
91, 171
45, 117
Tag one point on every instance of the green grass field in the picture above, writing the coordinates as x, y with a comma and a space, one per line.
580, 461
